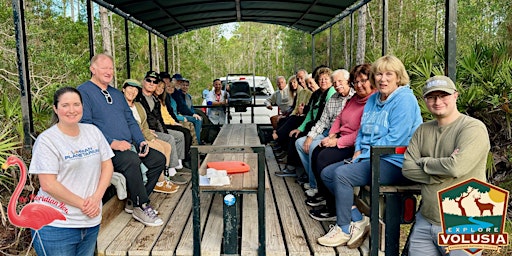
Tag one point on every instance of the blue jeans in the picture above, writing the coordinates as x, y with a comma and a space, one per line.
340, 179
423, 240
56, 241
306, 158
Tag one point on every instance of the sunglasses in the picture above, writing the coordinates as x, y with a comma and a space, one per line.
107, 96
151, 81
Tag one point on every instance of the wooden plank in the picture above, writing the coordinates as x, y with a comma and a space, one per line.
294, 236
177, 235
251, 135
111, 210
149, 236
249, 225
109, 232
121, 244
250, 179
213, 231
274, 238
313, 228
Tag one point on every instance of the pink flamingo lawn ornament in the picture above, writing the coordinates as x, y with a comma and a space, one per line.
32, 215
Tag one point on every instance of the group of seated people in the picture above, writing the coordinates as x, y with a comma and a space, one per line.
327, 123
165, 117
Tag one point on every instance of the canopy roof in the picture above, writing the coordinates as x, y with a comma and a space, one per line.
167, 18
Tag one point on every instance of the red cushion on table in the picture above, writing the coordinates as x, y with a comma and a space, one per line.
230, 166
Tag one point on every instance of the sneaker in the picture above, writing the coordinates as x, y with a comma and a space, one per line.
303, 180
147, 216
166, 187
286, 173
184, 169
283, 160
323, 214
335, 237
359, 231
311, 192
281, 154
128, 206
315, 201
178, 179
306, 186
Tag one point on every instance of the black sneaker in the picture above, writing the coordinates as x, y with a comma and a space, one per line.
323, 214
302, 179
315, 201
286, 173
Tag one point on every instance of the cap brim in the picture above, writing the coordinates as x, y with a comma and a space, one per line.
447, 90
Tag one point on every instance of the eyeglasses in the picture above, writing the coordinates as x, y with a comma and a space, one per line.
433, 98
353, 84
107, 96
151, 81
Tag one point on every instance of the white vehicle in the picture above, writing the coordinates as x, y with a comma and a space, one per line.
261, 84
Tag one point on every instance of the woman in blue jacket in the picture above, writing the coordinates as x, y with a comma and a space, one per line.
390, 117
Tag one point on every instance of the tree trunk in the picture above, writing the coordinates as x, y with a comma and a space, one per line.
112, 47
343, 31
72, 8
361, 35
105, 31
178, 63
372, 28
399, 21
156, 57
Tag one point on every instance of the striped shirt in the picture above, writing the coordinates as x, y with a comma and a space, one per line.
333, 107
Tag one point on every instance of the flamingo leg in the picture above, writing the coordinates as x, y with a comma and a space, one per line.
36, 233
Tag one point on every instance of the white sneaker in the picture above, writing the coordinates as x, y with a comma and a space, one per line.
335, 237
307, 186
311, 192
359, 230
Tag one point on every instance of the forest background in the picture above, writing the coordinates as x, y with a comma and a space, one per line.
58, 51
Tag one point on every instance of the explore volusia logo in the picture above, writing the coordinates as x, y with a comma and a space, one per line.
473, 215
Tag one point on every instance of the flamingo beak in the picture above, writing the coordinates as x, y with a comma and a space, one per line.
5, 166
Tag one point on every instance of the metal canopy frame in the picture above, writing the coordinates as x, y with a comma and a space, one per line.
167, 18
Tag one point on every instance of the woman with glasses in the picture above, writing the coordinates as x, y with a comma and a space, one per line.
339, 144
389, 118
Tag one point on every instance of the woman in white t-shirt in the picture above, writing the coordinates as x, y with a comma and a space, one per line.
74, 167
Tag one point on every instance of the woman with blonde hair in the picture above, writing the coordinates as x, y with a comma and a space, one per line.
390, 117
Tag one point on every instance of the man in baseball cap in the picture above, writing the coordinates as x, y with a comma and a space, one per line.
450, 149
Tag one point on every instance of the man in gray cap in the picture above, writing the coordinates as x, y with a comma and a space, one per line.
445, 151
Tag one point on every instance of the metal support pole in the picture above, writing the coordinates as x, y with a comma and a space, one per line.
261, 201
23, 72
384, 27
231, 217
392, 230
127, 42
196, 200
312, 52
330, 48
150, 51
166, 56
90, 28
351, 39
450, 39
